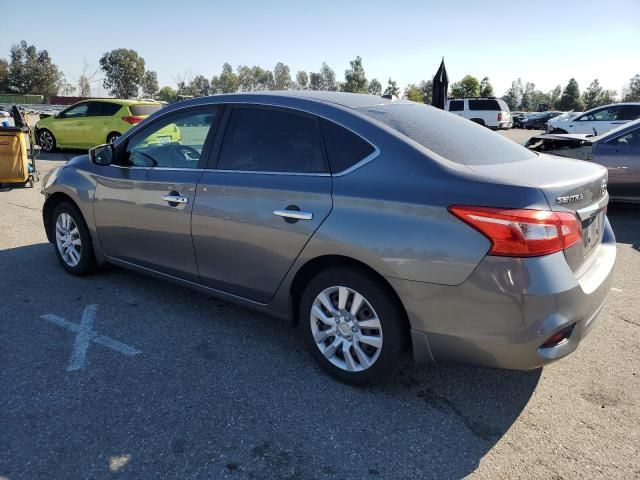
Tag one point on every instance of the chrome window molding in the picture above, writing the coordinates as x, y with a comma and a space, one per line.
259, 172
179, 169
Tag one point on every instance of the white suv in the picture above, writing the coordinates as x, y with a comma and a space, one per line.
598, 120
488, 111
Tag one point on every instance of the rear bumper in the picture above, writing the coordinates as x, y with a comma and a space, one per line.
503, 313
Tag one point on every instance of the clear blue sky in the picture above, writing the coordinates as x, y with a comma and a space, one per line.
545, 42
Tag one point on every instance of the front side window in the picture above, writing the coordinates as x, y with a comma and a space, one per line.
76, 111
344, 148
176, 141
265, 140
629, 139
456, 105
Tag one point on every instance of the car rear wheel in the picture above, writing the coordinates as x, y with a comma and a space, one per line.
46, 140
112, 137
72, 240
352, 326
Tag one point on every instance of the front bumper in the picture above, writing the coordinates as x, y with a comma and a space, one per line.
507, 308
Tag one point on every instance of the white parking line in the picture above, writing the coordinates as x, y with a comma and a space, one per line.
85, 334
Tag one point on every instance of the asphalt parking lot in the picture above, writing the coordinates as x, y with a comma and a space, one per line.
120, 375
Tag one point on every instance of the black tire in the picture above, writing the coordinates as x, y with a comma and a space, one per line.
389, 312
112, 137
48, 144
87, 262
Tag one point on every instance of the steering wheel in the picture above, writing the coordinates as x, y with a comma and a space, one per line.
185, 152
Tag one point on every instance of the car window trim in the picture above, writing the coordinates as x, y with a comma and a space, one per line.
74, 106
206, 148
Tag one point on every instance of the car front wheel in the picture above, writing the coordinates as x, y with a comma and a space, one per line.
72, 240
352, 325
46, 140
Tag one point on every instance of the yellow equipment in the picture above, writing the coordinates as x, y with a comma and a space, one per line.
15, 150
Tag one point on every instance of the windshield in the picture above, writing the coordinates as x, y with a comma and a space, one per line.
448, 135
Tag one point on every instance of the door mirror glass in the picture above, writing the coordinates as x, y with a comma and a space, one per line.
102, 154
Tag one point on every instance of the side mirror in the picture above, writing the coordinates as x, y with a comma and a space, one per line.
102, 154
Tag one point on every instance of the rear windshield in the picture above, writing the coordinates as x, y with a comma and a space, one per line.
448, 135
484, 105
139, 110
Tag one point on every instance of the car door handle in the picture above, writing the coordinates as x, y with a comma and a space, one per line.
294, 214
175, 198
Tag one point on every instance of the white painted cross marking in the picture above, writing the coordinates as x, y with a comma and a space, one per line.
85, 334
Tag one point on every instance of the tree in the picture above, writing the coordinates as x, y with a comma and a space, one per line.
315, 81
375, 87
469, 86
227, 82
4, 75
86, 78
32, 71
392, 88
554, 96
426, 87
263, 78
149, 84
328, 78
302, 80
199, 86
513, 96
282, 77
167, 94
595, 95
65, 88
632, 91
123, 71
486, 89
570, 99
355, 78
413, 93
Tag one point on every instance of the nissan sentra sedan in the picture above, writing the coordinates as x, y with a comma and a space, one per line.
381, 227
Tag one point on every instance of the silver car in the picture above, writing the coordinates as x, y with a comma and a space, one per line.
380, 227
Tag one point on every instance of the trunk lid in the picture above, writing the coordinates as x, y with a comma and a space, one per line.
567, 185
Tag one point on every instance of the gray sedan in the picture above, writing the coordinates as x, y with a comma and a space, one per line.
381, 227
618, 150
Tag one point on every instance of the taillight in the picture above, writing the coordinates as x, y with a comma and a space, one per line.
522, 233
499, 116
133, 119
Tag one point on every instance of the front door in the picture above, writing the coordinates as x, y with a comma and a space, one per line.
621, 156
70, 126
143, 203
254, 214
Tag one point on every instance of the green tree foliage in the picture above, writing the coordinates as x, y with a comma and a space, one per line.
123, 71
4, 76
355, 78
65, 88
469, 86
632, 92
328, 77
375, 87
199, 86
149, 84
571, 99
426, 87
315, 81
227, 82
414, 93
302, 80
554, 96
486, 89
513, 97
595, 96
282, 77
167, 94
392, 88
32, 71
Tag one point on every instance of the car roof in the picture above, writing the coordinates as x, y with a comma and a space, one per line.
121, 101
621, 104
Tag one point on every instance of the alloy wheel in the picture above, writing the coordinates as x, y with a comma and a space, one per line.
46, 140
346, 328
68, 239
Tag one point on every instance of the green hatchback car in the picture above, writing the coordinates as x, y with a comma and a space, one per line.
92, 122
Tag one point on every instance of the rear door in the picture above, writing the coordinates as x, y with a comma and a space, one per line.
98, 121
257, 209
621, 156
143, 204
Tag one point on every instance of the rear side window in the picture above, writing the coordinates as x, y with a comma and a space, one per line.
102, 109
344, 148
484, 105
450, 136
264, 140
628, 112
456, 105
141, 110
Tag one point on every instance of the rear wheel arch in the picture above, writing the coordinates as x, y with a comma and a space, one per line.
111, 134
479, 121
314, 266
